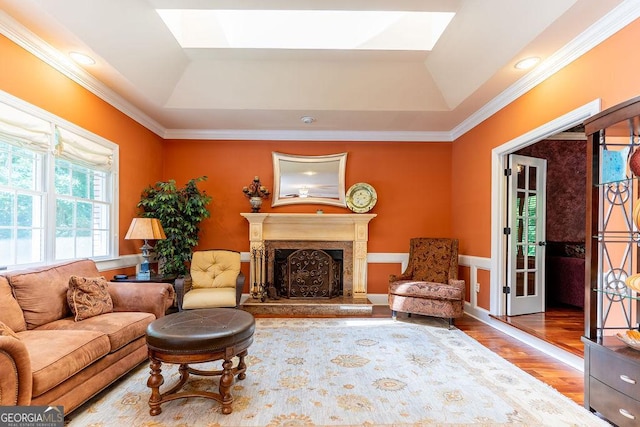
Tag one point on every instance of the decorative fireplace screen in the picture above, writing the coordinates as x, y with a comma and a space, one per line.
308, 273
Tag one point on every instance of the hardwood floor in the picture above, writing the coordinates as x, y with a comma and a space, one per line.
562, 377
558, 375
560, 326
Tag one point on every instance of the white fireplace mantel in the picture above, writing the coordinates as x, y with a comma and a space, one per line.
319, 227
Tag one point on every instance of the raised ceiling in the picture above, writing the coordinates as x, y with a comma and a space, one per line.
263, 93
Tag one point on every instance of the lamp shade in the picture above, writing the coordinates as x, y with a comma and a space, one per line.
145, 228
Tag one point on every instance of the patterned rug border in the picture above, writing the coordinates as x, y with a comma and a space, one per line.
128, 397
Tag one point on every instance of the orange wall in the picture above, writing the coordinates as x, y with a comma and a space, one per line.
26, 77
608, 72
412, 181
418, 192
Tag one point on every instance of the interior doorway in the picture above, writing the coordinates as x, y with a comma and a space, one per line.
499, 194
558, 247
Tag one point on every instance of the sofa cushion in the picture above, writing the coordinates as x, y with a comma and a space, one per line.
57, 355
215, 269
42, 292
10, 311
7, 331
88, 297
121, 328
416, 289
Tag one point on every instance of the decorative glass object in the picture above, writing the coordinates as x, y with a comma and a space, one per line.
614, 165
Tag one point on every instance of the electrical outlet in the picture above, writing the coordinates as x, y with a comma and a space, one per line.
477, 287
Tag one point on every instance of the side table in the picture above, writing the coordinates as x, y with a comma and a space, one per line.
158, 278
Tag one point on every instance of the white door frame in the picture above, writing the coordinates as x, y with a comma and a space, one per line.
499, 193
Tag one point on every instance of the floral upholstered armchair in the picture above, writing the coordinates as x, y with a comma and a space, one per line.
429, 285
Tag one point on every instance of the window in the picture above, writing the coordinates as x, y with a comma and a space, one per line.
21, 205
57, 190
82, 211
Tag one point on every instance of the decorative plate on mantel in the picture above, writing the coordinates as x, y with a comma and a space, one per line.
361, 197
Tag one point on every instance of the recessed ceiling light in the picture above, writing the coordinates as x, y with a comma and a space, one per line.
306, 29
527, 63
307, 120
81, 58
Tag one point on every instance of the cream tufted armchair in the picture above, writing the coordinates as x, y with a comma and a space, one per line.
215, 281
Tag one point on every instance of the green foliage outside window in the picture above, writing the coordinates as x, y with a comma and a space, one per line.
531, 204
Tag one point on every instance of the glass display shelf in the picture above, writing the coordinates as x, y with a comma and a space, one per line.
625, 181
621, 295
617, 237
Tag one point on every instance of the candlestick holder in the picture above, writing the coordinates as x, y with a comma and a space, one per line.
258, 288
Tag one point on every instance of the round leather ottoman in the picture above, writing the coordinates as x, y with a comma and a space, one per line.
197, 336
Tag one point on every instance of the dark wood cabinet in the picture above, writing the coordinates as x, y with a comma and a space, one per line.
612, 381
612, 369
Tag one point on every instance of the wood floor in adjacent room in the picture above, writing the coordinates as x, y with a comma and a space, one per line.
560, 326
558, 375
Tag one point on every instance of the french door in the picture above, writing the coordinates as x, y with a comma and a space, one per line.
526, 235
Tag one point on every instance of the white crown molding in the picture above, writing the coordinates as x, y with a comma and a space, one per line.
33, 44
611, 23
615, 20
314, 135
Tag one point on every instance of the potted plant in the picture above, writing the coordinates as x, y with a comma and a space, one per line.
180, 210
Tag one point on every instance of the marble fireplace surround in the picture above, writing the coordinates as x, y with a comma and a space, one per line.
316, 228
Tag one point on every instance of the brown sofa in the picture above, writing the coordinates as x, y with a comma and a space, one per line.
53, 359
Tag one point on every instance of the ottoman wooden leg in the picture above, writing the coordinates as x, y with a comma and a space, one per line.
154, 382
242, 367
226, 380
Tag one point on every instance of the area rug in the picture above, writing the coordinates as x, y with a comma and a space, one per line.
351, 372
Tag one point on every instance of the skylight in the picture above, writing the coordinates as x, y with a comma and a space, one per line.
306, 29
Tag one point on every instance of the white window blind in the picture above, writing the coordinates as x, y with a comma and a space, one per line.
75, 148
20, 128
57, 189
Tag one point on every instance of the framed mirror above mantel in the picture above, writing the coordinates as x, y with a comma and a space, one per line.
309, 179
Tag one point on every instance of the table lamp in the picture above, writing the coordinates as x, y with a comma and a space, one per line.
145, 229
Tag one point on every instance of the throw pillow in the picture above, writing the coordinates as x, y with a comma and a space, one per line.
88, 297
7, 331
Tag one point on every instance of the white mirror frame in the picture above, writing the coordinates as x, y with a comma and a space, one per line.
309, 179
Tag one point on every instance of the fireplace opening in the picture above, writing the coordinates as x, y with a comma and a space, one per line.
308, 273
